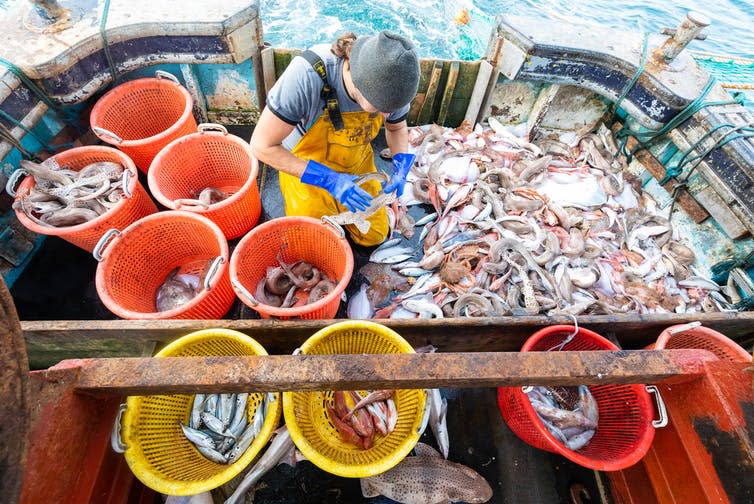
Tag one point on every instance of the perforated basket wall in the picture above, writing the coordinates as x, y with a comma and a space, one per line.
310, 427
137, 262
625, 431
195, 162
123, 213
295, 238
703, 338
157, 451
146, 114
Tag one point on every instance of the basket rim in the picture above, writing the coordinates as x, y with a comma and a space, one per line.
118, 90
727, 345
175, 144
349, 470
114, 307
28, 183
137, 463
300, 310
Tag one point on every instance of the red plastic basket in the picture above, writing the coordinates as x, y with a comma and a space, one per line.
697, 336
135, 262
127, 210
625, 431
142, 116
295, 238
209, 159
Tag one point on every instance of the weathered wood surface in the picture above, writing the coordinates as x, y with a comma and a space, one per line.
14, 399
253, 373
49, 342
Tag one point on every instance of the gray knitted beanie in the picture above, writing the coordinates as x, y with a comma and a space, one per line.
385, 69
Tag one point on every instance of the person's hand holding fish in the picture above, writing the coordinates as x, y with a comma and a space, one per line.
341, 185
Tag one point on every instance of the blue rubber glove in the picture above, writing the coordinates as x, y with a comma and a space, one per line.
401, 164
340, 185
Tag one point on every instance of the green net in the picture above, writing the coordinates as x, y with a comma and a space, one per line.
731, 71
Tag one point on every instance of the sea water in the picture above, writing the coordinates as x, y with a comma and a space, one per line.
432, 25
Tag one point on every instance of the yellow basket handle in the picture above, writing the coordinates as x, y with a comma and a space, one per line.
116, 442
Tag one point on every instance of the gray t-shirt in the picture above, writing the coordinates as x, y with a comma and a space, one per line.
295, 97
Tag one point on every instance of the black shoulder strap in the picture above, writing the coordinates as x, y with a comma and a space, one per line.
328, 93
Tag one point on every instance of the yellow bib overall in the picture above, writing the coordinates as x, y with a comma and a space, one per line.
346, 151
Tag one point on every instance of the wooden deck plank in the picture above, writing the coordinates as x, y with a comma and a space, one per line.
48, 342
213, 374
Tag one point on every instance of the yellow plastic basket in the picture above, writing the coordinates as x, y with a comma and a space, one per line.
157, 451
306, 416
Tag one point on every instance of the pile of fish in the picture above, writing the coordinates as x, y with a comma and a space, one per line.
290, 285
358, 418
219, 427
570, 414
557, 226
63, 197
182, 285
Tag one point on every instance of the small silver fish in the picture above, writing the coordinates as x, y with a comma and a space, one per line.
427, 478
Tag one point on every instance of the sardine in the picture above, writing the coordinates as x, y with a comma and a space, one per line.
438, 412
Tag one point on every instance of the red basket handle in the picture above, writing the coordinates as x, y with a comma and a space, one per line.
13, 180
661, 410
98, 249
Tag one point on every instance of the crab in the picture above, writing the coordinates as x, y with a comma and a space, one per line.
456, 269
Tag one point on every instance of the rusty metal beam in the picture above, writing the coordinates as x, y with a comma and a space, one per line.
148, 376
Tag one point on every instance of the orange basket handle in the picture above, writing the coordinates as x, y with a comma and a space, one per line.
162, 74
212, 271
661, 410
326, 219
116, 442
102, 132
126, 190
204, 127
98, 249
189, 202
13, 180
244, 291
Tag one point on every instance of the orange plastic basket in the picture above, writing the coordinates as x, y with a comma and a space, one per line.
625, 430
697, 336
294, 238
142, 116
189, 164
134, 204
134, 263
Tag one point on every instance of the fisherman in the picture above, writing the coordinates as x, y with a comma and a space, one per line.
321, 116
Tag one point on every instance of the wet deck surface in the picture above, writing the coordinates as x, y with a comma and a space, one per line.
58, 284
